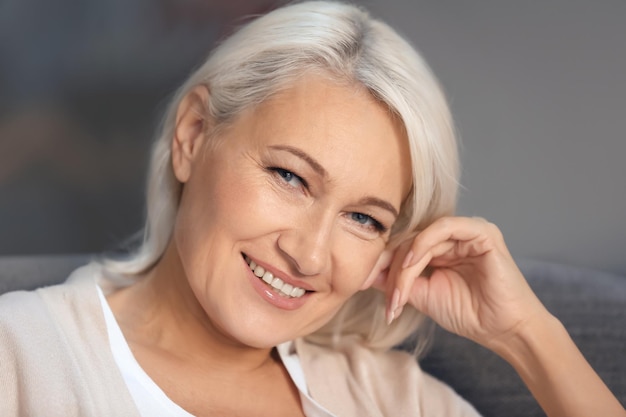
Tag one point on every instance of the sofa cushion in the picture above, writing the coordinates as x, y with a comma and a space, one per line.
30, 272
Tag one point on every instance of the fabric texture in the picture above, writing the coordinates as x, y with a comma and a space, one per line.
378, 384
54, 355
55, 360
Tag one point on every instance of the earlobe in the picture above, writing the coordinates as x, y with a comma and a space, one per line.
191, 127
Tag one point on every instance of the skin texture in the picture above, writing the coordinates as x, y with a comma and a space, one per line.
289, 184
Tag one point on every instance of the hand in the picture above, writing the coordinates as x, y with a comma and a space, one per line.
473, 287
459, 272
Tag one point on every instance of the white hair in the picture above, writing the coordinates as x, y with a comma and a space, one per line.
269, 54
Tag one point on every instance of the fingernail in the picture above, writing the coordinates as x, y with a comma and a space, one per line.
390, 317
391, 311
395, 300
407, 259
397, 313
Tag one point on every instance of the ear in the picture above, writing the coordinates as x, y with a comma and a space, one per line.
382, 264
190, 130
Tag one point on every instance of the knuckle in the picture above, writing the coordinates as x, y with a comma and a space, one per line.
495, 231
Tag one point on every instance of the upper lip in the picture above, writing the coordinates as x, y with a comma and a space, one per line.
282, 275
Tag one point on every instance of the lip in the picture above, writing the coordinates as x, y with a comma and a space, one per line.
272, 297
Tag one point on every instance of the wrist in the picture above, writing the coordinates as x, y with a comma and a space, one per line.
532, 343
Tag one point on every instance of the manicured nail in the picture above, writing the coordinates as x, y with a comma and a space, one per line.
395, 300
397, 313
407, 259
390, 317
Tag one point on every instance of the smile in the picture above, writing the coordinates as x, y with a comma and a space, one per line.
281, 287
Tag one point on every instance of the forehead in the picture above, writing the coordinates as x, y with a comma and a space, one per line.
354, 137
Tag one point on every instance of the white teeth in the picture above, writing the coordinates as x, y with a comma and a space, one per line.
286, 289
278, 284
259, 271
268, 277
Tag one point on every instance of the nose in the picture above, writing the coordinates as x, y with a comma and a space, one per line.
307, 244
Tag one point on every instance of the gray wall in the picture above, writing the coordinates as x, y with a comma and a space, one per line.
538, 90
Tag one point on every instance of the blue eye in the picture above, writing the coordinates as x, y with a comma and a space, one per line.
289, 177
361, 218
368, 221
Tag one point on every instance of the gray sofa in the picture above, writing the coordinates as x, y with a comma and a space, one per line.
591, 304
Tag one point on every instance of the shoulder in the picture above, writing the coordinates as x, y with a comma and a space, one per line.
34, 325
54, 355
24, 312
389, 381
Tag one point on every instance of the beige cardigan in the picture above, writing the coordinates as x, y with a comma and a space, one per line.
55, 361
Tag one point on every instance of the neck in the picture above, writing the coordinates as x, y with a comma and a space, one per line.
161, 312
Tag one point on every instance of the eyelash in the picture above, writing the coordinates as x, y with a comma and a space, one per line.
378, 226
283, 173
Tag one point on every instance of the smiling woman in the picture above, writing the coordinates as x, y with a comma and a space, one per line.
300, 189
294, 197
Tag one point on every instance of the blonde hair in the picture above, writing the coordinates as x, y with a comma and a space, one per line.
269, 54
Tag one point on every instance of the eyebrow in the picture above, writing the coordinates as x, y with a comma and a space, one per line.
373, 201
317, 167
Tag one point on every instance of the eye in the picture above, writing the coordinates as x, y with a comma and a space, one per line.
289, 177
368, 222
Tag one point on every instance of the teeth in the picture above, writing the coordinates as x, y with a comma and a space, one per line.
277, 283
284, 289
268, 277
259, 271
287, 289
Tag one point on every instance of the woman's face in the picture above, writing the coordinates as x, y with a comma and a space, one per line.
306, 186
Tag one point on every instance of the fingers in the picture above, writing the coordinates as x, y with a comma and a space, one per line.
446, 242
405, 280
452, 231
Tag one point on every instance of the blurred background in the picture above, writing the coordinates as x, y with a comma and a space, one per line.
538, 90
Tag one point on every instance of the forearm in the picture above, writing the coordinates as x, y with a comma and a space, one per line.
556, 372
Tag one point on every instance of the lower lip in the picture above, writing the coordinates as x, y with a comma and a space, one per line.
269, 295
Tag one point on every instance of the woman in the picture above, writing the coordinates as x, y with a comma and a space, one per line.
298, 227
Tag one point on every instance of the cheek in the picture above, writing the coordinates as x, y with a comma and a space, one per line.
223, 206
354, 265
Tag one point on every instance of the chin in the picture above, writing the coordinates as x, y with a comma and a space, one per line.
264, 332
